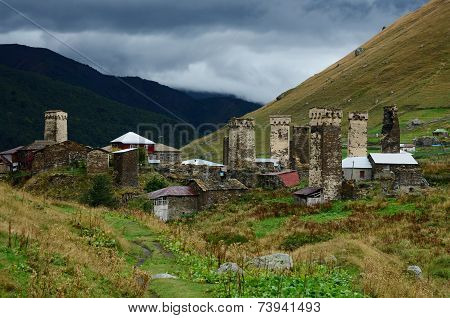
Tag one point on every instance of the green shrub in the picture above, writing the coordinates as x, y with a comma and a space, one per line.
441, 267
155, 182
140, 203
101, 192
297, 240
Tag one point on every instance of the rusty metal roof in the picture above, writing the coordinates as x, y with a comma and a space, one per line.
175, 191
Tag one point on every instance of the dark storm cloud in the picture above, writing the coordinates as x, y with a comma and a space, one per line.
252, 48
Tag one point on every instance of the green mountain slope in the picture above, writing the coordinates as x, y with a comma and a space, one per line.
93, 119
407, 64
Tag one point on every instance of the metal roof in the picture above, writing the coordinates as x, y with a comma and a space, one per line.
11, 151
201, 162
124, 150
393, 158
307, 191
38, 145
356, 163
131, 138
175, 191
267, 160
278, 173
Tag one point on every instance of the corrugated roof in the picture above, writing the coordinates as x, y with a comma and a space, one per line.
175, 191
164, 148
201, 162
307, 191
356, 163
11, 151
393, 158
267, 160
216, 185
131, 138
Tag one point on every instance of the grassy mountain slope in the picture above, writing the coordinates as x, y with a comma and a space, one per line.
407, 64
93, 119
131, 91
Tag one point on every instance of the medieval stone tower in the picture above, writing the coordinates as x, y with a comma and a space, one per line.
357, 134
241, 143
280, 138
299, 151
325, 164
55, 126
390, 139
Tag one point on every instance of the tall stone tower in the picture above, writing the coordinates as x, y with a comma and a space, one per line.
325, 163
299, 149
55, 126
390, 139
280, 138
357, 134
241, 143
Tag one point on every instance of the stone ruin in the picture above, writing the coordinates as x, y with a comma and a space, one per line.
280, 138
55, 126
357, 134
126, 167
299, 147
240, 151
325, 169
390, 139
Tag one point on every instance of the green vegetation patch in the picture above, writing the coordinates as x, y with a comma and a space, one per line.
297, 240
440, 267
265, 227
337, 211
393, 208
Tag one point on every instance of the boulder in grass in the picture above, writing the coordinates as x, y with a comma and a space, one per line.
229, 267
163, 276
276, 261
415, 270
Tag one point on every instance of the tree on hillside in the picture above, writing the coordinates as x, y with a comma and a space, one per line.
101, 192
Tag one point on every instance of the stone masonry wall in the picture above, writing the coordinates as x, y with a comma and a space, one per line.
55, 126
299, 146
325, 151
226, 144
97, 161
357, 134
390, 140
126, 167
241, 143
58, 155
280, 138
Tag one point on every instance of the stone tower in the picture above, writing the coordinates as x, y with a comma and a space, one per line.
390, 139
325, 162
55, 126
241, 143
357, 134
280, 138
299, 149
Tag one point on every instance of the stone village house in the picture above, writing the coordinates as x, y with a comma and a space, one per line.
173, 202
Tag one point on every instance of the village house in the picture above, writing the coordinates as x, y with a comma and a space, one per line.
57, 155
357, 168
279, 179
25, 155
309, 196
9, 160
440, 133
165, 155
267, 163
173, 202
132, 140
126, 167
213, 191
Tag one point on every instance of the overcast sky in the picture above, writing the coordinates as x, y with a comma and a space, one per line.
254, 49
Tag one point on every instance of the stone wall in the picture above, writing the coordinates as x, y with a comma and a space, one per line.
126, 167
299, 147
97, 161
226, 144
209, 198
280, 138
325, 165
58, 155
55, 126
176, 207
390, 139
241, 145
357, 134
